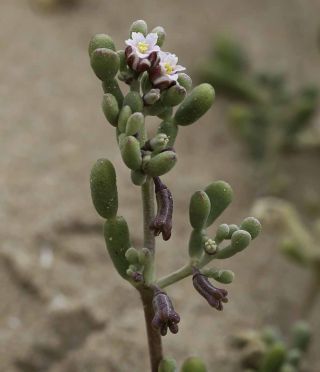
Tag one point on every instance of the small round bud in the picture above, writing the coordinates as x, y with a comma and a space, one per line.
151, 97
232, 229
210, 246
132, 255
223, 276
139, 26
222, 232
169, 128
193, 364
252, 225
159, 142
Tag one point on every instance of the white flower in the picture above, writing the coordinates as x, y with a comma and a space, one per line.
143, 45
168, 62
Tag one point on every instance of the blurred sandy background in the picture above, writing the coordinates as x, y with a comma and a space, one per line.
62, 307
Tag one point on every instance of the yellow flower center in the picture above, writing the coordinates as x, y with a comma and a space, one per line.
168, 68
143, 47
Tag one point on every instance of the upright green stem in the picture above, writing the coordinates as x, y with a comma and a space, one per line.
154, 337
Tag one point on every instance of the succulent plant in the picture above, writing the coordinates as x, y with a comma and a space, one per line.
267, 116
157, 84
267, 351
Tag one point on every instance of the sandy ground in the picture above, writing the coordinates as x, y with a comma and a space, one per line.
62, 307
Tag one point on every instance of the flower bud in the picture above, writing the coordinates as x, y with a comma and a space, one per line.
111, 86
301, 336
223, 276
167, 365
105, 63
210, 246
104, 188
239, 241
110, 108
199, 209
101, 41
132, 256
161, 35
134, 101
124, 115
159, 142
196, 104
158, 79
220, 194
232, 229
139, 26
274, 358
169, 128
131, 153
174, 95
151, 97
116, 234
252, 225
138, 178
222, 233
193, 364
160, 164
185, 81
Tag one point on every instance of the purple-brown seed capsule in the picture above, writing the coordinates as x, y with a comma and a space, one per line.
164, 314
214, 296
162, 222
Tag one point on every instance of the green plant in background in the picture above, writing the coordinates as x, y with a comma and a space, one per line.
296, 241
157, 84
268, 117
48, 5
267, 351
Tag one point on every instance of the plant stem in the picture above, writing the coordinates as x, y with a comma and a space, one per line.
174, 277
154, 337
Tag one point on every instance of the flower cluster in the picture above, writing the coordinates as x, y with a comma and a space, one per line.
143, 54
